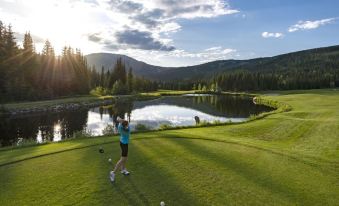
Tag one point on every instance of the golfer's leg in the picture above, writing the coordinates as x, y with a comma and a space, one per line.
123, 165
118, 165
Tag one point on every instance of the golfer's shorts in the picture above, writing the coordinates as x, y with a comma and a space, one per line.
124, 149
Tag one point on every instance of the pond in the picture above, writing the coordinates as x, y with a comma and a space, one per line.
150, 114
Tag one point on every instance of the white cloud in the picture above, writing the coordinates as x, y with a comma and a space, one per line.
180, 57
306, 25
214, 48
160, 17
272, 35
133, 27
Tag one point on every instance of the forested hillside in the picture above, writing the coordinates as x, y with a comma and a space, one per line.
310, 69
314, 68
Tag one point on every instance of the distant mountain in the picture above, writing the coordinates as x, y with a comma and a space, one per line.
108, 60
325, 57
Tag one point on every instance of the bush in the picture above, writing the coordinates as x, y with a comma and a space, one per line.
27, 142
165, 126
108, 130
99, 91
253, 117
141, 127
83, 134
119, 88
204, 123
217, 122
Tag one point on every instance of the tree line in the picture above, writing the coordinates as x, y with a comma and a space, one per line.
120, 81
26, 74
310, 69
289, 79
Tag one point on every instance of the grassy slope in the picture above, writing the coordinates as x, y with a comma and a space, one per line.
288, 158
47, 103
80, 99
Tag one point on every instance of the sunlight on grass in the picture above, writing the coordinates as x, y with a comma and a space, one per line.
288, 158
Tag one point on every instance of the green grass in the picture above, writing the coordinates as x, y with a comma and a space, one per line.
168, 92
48, 103
83, 99
288, 158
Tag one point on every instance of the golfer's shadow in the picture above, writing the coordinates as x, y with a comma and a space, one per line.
134, 190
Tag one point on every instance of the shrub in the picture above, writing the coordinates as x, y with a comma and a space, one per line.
26, 142
165, 126
204, 123
119, 88
99, 91
141, 127
253, 117
108, 130
217, 122
83, 134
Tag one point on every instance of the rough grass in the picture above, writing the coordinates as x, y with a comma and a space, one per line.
48, 103
289, 158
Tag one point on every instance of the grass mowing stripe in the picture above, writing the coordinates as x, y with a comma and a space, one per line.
284, 159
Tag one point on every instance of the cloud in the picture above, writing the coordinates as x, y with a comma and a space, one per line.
180, 57
190, 9
146, 22
141, 40
272, 35
91, 2
207, 55
125, 6
129, 27
213, 48
306, 25
95, 37
111, 45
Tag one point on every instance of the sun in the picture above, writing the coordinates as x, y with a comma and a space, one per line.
60, 22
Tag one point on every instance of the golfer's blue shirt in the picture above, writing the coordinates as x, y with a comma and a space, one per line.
124, 135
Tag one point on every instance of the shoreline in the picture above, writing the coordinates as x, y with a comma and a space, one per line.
88, 101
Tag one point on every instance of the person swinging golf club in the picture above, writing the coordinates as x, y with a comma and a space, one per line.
124, 131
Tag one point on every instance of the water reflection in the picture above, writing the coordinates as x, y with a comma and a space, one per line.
175, 111
41, 127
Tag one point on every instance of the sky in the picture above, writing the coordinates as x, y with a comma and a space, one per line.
177, 32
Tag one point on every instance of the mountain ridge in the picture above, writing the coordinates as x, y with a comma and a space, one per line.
206, 70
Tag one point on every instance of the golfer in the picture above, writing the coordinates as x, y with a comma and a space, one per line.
124, 131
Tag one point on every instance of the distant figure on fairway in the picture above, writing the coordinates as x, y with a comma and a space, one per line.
197, 120
124, 131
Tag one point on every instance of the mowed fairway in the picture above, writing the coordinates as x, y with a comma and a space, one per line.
289, 158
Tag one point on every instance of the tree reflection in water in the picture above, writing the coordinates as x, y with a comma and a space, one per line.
178, 110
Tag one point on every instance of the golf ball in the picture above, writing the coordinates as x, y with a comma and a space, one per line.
110, 160
162, 203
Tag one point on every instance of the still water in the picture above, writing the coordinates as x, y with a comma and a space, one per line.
150, 114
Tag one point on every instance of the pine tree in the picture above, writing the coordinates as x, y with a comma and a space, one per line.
9, 63
119, 71
48, 50
102, 77
199, 87
28, 44
3, 75
130, 80
10, 45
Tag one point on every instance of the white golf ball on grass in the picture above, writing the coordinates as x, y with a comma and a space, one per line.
162, 203
109, 160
